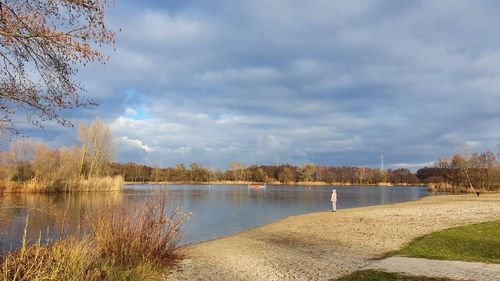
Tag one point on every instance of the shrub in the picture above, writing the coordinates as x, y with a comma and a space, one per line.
136, 243
131, 234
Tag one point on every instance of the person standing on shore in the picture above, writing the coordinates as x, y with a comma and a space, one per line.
334, 200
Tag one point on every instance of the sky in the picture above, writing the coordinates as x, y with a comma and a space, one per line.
270, 82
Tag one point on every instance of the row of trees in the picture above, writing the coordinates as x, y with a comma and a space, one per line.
269, 174
25, 161
464, 172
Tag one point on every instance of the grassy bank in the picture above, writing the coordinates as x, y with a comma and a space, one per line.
477, 243
126, 242
71, 185
375, 275
474, 243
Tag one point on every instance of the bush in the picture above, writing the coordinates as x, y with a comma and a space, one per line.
124, 243
129, 235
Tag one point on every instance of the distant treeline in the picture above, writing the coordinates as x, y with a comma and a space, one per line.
285, 174
467, 172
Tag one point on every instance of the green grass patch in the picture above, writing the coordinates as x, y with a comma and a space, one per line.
477, 243
376, 275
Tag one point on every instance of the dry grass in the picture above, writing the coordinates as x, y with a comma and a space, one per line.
123, 244
447, 187
69, 259
131, 234
57, 185
96, 184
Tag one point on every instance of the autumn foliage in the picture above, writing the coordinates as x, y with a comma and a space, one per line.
41, 44
39, 168
469, 172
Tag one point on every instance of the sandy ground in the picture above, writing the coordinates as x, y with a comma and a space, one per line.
326, 245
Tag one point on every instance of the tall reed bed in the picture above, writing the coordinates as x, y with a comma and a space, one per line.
125, 242
49, 185
448, 187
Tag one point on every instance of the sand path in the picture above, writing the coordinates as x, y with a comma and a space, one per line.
326, 245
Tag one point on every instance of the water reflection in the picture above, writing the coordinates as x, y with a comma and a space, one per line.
46, 214
217, 211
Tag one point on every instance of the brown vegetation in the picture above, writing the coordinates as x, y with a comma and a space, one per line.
38, 168
283, 174
41, 44
466, 172
125, 243
129, 235
107, 183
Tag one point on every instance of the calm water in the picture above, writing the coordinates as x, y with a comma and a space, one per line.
217, 211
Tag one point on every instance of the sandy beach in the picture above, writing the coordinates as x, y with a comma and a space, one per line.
326, 245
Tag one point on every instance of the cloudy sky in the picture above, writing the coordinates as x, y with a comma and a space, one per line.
324, 82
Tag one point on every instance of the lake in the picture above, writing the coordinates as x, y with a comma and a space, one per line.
219, 210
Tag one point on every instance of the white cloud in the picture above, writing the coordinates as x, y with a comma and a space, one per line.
125, 142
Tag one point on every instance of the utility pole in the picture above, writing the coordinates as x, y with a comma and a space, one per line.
498, 152
381, 162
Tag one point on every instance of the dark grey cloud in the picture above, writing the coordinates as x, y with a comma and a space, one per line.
328, 82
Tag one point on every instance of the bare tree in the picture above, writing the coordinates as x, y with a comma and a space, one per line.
307, 173
285, 175
462, 163
18, 159
45, 160
238, 170
156, 173
361, 173
41, 44
97, 149
482, 169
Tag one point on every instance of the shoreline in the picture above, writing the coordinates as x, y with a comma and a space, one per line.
316, 212
325, 245
312, 184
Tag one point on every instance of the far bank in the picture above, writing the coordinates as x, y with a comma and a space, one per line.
277, 183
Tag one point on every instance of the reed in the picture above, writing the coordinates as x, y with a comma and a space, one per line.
448, 187
50, 185
95, 184
134, 233
137, 243
69, 259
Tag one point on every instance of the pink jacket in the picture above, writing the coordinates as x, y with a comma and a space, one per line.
334, 197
